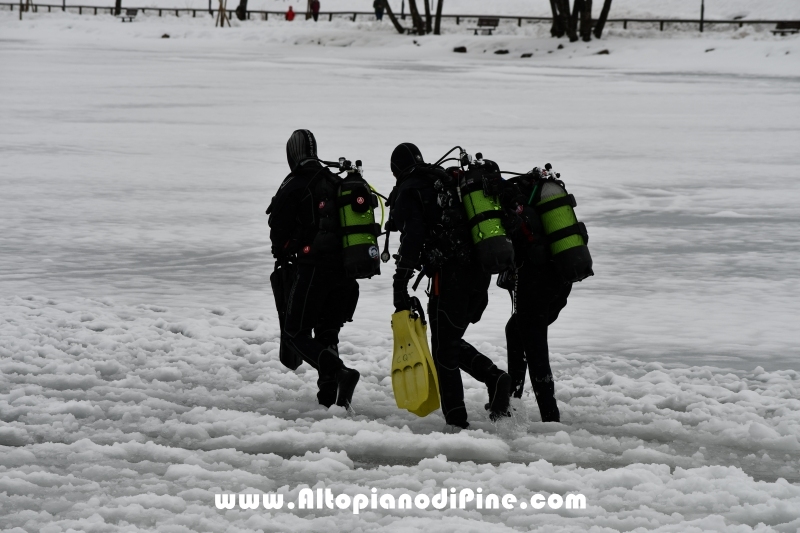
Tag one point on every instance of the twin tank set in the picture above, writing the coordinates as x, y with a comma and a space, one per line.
566, 237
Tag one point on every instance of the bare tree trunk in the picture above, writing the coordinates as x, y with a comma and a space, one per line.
555, 29
118, 7
563, 15
586, 20
438, 26
394, 20
419, 25
572, 30
601, 22
428, 20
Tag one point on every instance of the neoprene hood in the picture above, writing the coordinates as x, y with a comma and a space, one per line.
300, 147
404, 158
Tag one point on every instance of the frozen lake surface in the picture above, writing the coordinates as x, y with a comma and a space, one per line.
137, 330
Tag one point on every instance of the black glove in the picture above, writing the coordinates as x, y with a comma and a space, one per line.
402, 301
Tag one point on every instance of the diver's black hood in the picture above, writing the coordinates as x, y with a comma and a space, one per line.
405, 157
300, 147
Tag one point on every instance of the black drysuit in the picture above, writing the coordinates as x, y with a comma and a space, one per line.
458, 296
538, 295
315, 294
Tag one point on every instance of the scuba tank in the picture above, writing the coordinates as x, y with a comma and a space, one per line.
357, 225
471, 216
566, 237
484, 214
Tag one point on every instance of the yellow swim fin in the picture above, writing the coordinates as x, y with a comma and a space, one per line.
414, 379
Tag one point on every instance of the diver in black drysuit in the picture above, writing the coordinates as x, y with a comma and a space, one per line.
538, 295
312, 292
458, 293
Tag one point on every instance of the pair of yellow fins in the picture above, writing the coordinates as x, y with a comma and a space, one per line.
414, 379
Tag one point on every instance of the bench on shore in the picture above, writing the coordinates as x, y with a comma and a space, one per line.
130, 14
782, 28
486, 25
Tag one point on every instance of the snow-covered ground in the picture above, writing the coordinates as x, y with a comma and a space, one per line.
138, 366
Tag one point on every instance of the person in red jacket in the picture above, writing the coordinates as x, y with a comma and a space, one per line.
290, 14
315, 9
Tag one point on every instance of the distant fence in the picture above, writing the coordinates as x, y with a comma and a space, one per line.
353, 15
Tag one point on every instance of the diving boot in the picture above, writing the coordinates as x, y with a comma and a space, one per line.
551, 416
327, 390
544, 390
499, 396
346, 381
329, 365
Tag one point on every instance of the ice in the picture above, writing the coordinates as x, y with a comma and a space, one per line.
138, 340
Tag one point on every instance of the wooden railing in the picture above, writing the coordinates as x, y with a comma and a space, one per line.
353, 15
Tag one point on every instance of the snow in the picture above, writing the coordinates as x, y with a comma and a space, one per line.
138, 340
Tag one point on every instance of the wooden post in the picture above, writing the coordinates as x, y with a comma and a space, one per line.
222, 15
702, 13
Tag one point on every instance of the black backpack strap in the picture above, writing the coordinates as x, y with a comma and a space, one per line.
555, 204
372, 229
569, 231
482, 217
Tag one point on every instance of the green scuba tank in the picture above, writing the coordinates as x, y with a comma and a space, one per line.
357, 226
566, 236
494, 248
